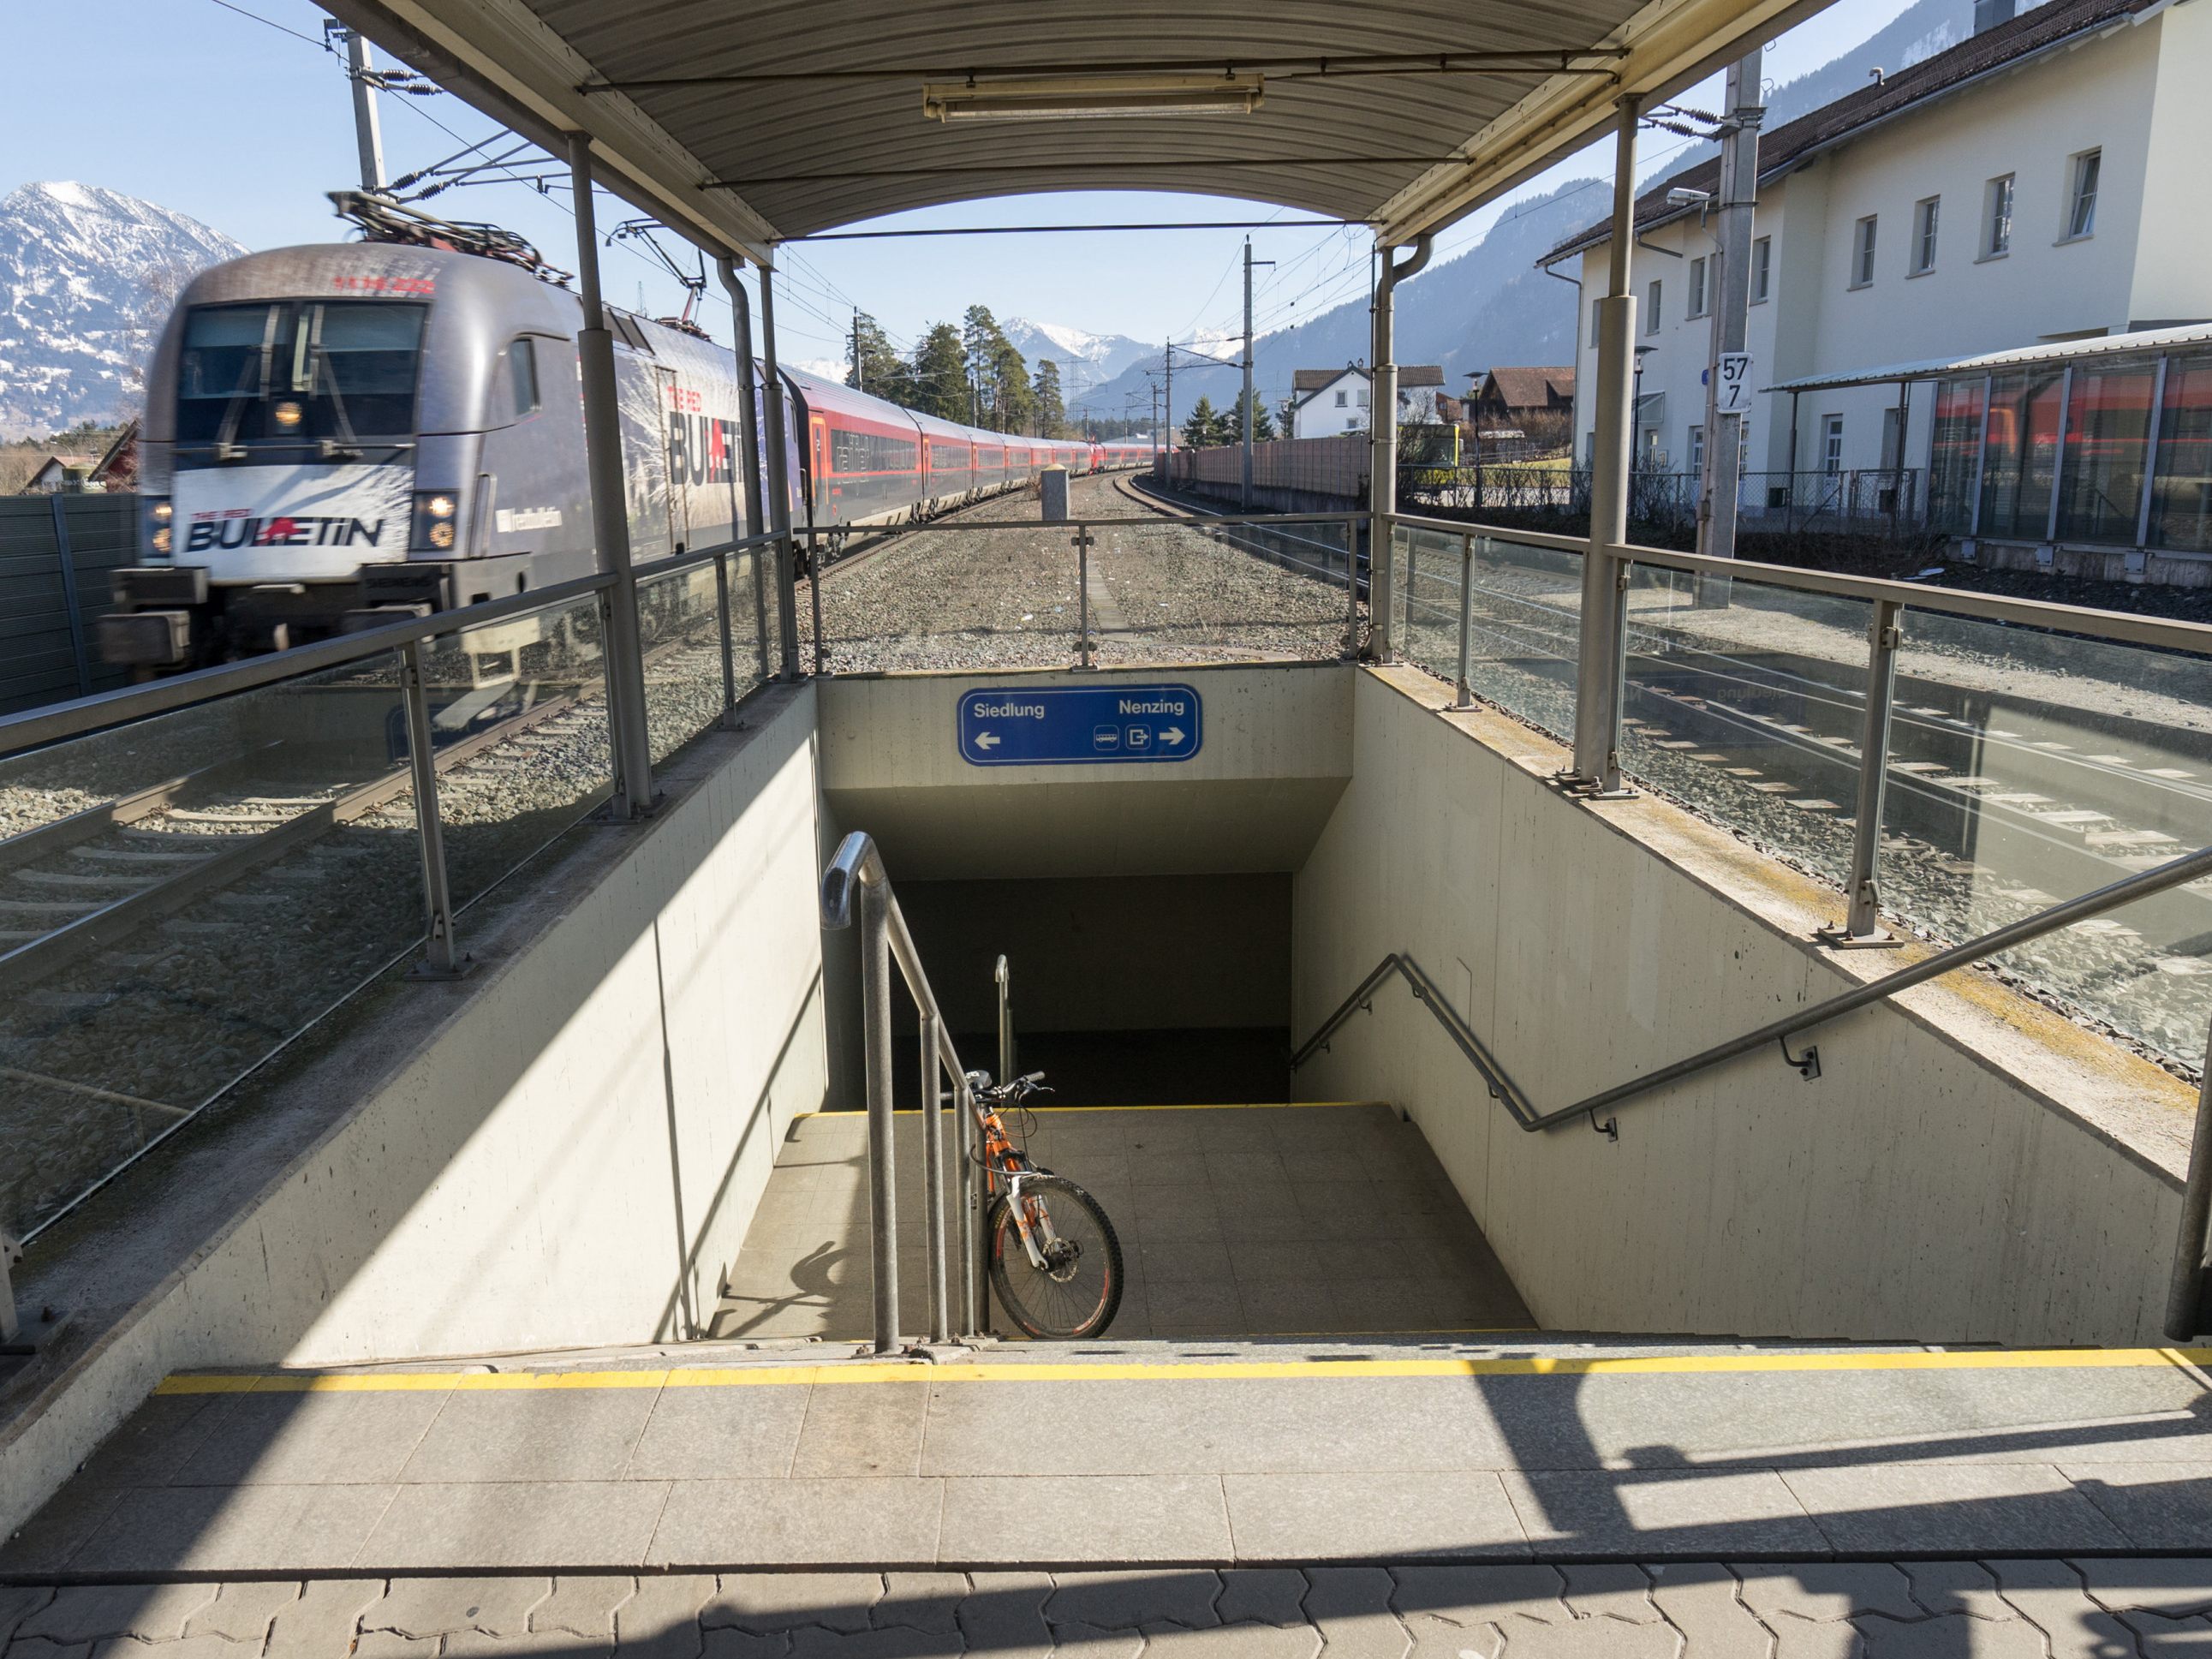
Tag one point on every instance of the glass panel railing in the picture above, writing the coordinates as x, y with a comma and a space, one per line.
2030, 767
1744, 702
950, 597
245, 865
1522, 617
679, 625
518, 715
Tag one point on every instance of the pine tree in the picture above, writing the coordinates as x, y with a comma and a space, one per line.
1012, 401
939, 374
1201, 428
980, 337
876, 367
1051, 407
1263, 423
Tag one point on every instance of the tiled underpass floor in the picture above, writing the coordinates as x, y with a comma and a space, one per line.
1324, 1219
2000, 1609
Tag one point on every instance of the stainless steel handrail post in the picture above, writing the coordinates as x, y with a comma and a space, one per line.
729, 645
1005, 982
1082, 599
963, 1105
438, 960
1862, 927
858, 870
882, 1188
1462, 695
933, 1176
1352, 589
2185, 1298
814, 591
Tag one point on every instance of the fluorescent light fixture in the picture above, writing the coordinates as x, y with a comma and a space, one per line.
1083, 98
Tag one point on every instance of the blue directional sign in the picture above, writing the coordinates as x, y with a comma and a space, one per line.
1080, 725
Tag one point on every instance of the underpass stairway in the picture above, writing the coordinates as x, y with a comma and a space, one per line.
1322, 1219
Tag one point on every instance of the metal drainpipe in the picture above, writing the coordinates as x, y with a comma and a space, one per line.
595, 355
779, 482
1382, 440
741, 319
1598, 666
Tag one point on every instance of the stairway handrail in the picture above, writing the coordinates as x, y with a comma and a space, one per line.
857, 872
2186, 1315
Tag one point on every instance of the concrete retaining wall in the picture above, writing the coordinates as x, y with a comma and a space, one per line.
564, 1150
1968, 1167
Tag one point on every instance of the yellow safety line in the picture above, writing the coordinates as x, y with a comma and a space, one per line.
1205, 1106
1193, 1371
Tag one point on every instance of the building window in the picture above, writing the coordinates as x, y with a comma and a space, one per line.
1997, 218
1651, 307
1832, 444
1762, 268
1698, 450
1593, 316
1342, 398
1696, 288
1362, 397
1923, 235
2082, 196
1863, 253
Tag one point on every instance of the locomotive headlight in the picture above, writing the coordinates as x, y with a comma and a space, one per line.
286, 415
436, 514
163, 511
159, 513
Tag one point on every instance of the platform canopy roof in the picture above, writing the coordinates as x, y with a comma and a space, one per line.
742, 123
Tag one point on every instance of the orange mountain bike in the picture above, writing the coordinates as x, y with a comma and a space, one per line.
1053, 1255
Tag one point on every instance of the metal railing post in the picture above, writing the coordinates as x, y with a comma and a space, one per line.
1862, 929
883, 1196
1083, 596
2184, 1300
439, 958
933, 1179
1006, 1020
760, 611
814, 591
1463, 694
729, 645
1352, 589
963, 1142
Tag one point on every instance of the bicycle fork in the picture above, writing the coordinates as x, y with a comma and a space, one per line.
1018, 1205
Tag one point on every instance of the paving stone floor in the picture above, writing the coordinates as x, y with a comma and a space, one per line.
1234, 1221
2043, 1608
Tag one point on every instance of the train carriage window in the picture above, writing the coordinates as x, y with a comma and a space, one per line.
522, 377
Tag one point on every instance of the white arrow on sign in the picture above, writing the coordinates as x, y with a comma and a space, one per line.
1173, 734
987, 739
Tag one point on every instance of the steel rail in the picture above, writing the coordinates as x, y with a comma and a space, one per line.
2194, 638
2175, 873
36, 727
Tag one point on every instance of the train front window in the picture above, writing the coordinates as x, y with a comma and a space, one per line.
332, 375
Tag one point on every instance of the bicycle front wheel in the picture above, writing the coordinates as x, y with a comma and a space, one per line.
1077, 1290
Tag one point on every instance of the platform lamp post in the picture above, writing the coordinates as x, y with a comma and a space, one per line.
595, 357
1596, 766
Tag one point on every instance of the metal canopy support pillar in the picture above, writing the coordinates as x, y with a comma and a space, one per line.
1382, 441
779, 483
882, 1187
1862, 929
595, 356
1598, 664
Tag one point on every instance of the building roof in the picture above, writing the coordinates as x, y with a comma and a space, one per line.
1409, 376
1786, 147
2149, 341
1525, 388
747, 122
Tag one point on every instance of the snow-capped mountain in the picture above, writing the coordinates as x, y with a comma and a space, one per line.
85, 278
1085, 360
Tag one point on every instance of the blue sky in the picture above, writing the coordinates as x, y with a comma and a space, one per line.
244, 122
